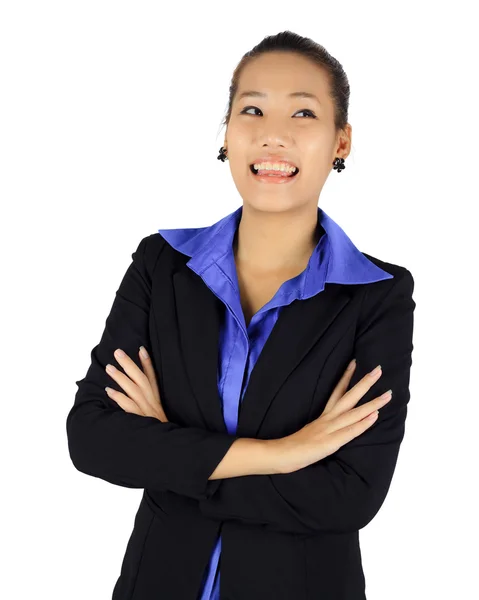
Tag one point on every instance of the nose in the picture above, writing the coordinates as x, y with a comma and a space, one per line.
274, 135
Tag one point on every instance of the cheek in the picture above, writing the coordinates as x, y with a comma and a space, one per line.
315, 161
239, 136
316, 156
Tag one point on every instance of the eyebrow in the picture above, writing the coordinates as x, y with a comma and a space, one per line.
291, 95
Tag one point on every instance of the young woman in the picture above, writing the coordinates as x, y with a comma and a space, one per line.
260, 452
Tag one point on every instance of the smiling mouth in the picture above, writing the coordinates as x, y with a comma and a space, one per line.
274, 174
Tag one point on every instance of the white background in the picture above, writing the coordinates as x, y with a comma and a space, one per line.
109, 130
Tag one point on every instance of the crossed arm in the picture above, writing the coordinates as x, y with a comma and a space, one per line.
127, 449
344, 491
239, 481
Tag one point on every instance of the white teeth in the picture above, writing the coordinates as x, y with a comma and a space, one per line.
274, 167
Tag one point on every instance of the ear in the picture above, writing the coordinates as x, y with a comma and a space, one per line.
343, 142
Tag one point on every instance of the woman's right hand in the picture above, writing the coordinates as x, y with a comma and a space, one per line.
338, 424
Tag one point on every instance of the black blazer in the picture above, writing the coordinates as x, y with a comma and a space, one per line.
284, 536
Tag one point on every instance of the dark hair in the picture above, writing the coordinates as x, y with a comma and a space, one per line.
287, 41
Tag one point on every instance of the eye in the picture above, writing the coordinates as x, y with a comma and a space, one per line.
304, 110
244, 111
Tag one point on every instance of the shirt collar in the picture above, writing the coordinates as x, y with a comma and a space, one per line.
334, 260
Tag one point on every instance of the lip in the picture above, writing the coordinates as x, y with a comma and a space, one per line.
274, 159
271, 179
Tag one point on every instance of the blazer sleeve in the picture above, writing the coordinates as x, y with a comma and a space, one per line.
123, 448
344, 491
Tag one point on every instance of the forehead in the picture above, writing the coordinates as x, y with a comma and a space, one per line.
282, 73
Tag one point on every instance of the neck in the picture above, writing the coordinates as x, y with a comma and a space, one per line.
267, 242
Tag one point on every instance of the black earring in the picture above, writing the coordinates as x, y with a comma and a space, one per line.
339, 164
222, 156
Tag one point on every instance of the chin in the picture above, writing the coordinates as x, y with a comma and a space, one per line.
269, 202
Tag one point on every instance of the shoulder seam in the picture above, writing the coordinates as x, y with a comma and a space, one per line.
162, 245
395, 281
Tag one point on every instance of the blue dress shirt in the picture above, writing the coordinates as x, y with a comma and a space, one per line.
335, 259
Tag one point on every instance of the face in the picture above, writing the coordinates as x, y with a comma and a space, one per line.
297, 129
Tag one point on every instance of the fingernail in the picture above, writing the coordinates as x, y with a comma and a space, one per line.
387, 394
143, 352
119, 353
110, 368
375, 371
351, 364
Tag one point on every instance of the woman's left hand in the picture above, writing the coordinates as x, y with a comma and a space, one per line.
142, 394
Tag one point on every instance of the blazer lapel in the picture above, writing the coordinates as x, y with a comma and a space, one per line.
198, 320
300, 325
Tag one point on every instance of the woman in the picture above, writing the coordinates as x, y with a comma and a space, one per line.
260, 454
